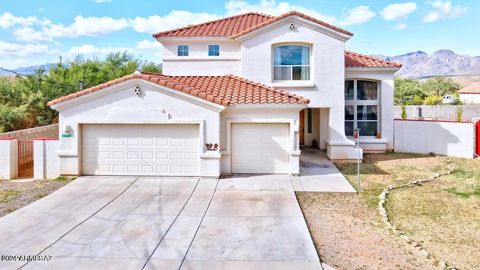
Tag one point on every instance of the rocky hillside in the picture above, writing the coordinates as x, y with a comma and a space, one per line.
442, 62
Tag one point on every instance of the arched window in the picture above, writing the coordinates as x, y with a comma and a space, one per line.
362, 107
291, 62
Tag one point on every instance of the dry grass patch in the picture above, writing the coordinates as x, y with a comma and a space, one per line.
347, 228
443, 215
16, 194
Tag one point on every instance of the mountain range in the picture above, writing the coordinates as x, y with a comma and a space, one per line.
416, 65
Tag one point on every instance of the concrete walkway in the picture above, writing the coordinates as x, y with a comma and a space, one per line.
319, 174
247, 222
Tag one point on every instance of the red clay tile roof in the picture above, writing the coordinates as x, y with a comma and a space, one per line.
472, 88
237, 26
356, 60
219, 28
223, 90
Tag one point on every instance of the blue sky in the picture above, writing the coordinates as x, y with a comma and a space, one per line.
39, 31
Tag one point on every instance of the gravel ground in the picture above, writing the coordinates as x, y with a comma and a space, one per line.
15, 194
349, 235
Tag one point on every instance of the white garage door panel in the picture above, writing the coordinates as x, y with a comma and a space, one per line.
140, 150
260, 148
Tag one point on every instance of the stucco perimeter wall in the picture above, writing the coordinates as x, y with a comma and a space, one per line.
442, 138
470, 98
50, 131
198, 62
439, 112
118, 104
247, 114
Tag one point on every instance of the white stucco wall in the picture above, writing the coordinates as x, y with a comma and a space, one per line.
439, 137
8, 158
470, 98
118, 104
198, 62
268, 114
45, 159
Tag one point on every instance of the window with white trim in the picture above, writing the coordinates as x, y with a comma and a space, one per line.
291, 63
213, 50
362, 107
182, 50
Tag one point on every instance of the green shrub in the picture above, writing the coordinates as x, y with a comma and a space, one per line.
417, 100
433, 100
404, 112
459, 113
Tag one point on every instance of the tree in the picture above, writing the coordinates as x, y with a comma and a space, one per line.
440, 86
407, 91
23, 100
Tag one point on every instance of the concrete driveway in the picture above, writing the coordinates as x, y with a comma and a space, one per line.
247, 222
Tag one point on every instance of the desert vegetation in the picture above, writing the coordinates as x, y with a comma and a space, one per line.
23, 99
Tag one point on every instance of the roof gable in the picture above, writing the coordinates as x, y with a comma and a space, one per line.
237, 26
222, 90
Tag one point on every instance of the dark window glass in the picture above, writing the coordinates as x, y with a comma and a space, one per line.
349, 128
213, 50
366, 90
349, 91
367, 112
349, 112
367, 128
182, 50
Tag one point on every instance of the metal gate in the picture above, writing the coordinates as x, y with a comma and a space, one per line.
25, 159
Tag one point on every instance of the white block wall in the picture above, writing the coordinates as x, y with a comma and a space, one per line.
8, 159
440, 137
46, 161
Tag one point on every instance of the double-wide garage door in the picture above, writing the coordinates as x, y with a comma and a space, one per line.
174, 149
260, 148
140, 150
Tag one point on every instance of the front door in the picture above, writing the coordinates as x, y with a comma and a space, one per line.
302, 127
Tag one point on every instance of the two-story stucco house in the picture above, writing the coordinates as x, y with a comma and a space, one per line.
237, 95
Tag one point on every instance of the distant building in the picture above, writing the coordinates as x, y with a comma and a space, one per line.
470, 93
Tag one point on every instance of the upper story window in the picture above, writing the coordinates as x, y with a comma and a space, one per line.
291, 62
182, 50
213, 50
362, 107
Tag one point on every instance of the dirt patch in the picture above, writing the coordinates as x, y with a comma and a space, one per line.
15, 194
348, 234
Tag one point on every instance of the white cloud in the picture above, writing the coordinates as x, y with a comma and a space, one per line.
358, 15
88, 50
8, 20
398, 11
443, 9
272, 7
400, 26
22, 50
102, 1
148, 45
30, 35
86, 26
174, 19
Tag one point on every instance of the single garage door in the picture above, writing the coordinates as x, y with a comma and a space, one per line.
140, 150
260, 148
